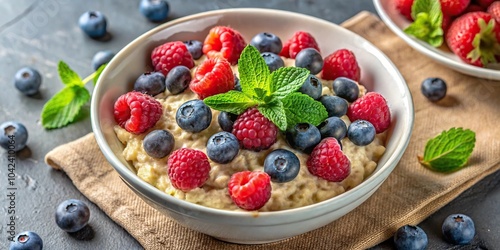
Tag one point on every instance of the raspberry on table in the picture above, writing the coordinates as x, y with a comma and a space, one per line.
299, 41
224, 42
137, 112
213, 76
341, 62
250, 190
188, 168
171, 54
328, 162
371, 107
254, 131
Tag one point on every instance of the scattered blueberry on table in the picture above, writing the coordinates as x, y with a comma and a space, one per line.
434, 88
154, 10
410, 237
267, 42
151, 83
27, 80
102, 57
27, 241
72, 215
310, 59
222, 147
13, 136
93, 23
282, 165
458, 229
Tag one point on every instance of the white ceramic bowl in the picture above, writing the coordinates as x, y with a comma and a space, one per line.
397, 23
378, 74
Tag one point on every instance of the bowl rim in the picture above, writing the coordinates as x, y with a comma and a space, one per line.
485, 73
134, 180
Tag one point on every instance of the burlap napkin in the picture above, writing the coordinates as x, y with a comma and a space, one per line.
408, 196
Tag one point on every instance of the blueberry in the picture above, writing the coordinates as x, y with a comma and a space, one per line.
72, 215
158, 143
410, 238
361, 132
193, 116
312, 87
222, 147
13, 136
434, 89
28, 81
194, 47
267, 42
178, 79
282, 165
226, 121
154, 10
333, 127
458, 229
93, 23
346, 88
310, 59
303, 136
273, 61
102, 57
335, 106
237, 85
27, 241
151, 83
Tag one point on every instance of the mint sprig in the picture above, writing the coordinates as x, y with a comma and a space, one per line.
63, 108
449, 151
275, 94
427, 24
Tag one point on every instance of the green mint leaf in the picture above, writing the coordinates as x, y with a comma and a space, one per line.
275, 112
64, 106
232, 101
287, 80
428, 19
98, 72
301, 108
253, 70
67, 75
260, 93
449, 151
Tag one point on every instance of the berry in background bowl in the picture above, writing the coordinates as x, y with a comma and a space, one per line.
238, 225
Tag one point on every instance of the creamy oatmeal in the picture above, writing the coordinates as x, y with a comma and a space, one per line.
304, 190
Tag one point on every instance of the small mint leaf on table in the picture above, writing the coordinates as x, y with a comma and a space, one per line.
287, 80
301, 108
275, 112
232, 101
253, 71
428, 19
449, 151
64, 106
67, 75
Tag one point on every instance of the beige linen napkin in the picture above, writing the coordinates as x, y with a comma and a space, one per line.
408, 196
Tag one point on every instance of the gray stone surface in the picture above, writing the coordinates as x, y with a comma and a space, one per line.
39, 33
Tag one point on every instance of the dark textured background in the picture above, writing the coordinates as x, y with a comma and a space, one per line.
39, 33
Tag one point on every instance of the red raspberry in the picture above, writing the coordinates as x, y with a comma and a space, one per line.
137, 112
254, 131
328, 162
485, 3
494, 10
371, 107
188, 168
213, 76
171, 54
404, 8
250, 190
224, 42
341, 62
454, 7
299, 41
